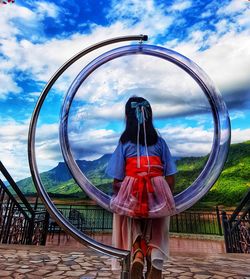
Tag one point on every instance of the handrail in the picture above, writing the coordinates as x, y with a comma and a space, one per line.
6, 174
243, 215
15, 212
238, 209
233, 226
14, 200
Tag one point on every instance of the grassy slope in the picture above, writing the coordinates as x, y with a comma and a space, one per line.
235, 178
233, 182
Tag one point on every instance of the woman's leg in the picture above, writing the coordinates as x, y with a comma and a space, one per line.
158, 247
121, 236
126, 235
137, 252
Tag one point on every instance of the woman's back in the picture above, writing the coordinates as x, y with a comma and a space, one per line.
117, 163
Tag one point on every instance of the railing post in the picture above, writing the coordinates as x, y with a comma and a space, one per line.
31, 229
218, 219
45, 228
227, 233
177, 223
9, 214
103, 212
36, 202
125, 273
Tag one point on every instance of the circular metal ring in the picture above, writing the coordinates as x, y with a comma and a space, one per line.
51, 208
221, 140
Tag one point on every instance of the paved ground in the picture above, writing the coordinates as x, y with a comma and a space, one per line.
44, 262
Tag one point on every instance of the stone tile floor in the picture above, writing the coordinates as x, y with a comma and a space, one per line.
62, 262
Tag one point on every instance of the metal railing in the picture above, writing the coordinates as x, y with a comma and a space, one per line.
197, 222
94, 219
237, 227
19, 223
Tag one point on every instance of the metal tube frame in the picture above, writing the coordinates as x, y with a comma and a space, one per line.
221, 139
209, 174
124, 255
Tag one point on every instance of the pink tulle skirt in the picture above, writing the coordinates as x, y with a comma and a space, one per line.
160, 200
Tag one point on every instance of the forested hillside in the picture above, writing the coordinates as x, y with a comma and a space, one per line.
228, 190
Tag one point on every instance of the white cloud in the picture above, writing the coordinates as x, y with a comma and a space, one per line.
141, 16
222, 26
136, 8
119, 79
225, 58
237, 13
237, 115
16, 21
182, 140
176, 95
206, 14
234, 6
196, 141
244, 18
93, 143
240, 135
13, 147
104, 93
24, 55
7, 85
180, 6
10, 15
188, 141
44, 9
229, 75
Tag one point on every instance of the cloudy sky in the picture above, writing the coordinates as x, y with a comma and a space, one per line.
37, 37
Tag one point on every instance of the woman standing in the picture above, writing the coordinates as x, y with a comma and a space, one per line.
143, 172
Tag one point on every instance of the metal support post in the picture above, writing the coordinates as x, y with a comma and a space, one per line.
125, 273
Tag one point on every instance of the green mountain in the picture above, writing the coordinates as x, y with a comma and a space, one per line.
228, 190
235, 178
59, 182
233, 182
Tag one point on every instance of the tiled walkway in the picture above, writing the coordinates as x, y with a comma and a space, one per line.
63, 262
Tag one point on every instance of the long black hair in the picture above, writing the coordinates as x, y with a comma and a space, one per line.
130, 133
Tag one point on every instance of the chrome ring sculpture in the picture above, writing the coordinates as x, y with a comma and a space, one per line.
183, 200
221, 141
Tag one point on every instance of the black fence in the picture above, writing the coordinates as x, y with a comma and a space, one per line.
91, 219
195, 222
237, 227
19, 222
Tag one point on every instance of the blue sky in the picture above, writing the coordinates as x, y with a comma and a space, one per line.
37, 37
